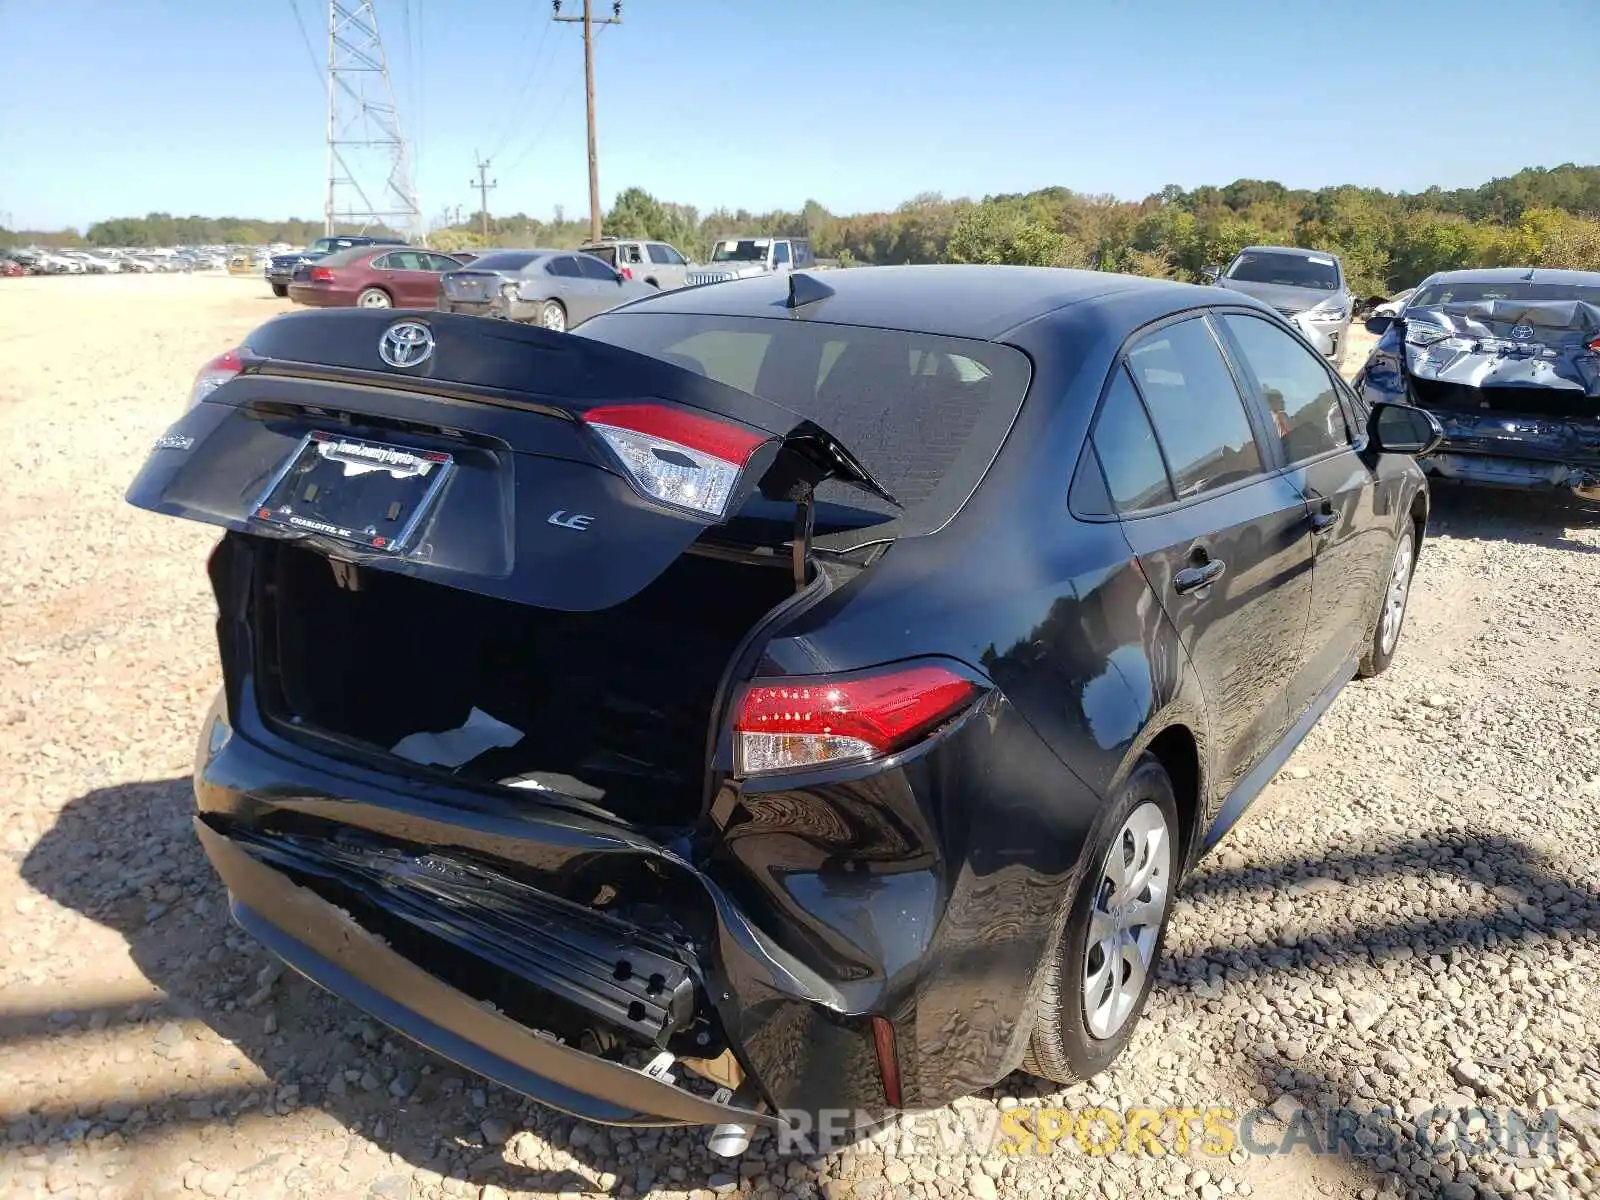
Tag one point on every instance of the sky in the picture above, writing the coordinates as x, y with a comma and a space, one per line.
122, 107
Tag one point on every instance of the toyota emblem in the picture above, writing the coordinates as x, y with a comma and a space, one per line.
1522, 332
406, 344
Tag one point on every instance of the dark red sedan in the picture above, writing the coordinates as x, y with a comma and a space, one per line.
372, 277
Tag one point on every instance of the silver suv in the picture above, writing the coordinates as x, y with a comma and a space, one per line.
657, 263
739, 257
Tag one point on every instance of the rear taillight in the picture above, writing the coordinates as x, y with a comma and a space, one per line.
321, 274
790, 724
627, 272
1594, 345
675, 456
214, 374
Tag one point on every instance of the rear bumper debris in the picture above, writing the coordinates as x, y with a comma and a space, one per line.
327, 946
1527, 452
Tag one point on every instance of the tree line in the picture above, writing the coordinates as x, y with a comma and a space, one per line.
1537, 217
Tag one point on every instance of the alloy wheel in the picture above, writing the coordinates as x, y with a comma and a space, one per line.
554, 317
373, 298
1394, 600
1125, 918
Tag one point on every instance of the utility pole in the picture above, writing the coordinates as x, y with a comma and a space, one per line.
483, 185
589, 22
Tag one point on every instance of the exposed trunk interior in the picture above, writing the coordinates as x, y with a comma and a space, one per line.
1561, 403
618, 702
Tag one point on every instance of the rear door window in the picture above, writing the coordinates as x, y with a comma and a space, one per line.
1301, 397
1126, 445
592, 268
565, 266
1196, 408
780, 254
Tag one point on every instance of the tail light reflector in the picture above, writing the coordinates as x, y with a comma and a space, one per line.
321, 274
627, 272
675, 456
797, 723
214, 374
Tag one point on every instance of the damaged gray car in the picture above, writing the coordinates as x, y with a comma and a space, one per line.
1508, 361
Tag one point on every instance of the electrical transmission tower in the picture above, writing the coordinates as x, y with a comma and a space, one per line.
369, 159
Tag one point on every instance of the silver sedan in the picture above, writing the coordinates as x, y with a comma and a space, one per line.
554, 288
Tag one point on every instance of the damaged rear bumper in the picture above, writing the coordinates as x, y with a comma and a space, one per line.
400, 899
1524, 452
323, 943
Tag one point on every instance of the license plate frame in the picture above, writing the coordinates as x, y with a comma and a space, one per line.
310, 479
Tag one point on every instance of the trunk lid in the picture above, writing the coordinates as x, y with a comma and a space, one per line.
1506, 344
473, 285
473, 466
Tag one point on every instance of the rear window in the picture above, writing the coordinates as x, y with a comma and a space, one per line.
925, 414
340, 258
508, 261
606, 254
1288, 270
1452, 291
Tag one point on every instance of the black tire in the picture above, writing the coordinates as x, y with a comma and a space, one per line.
1381, 648
1062, 1048
280, 290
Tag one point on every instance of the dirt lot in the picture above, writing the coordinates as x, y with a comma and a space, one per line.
1407, 919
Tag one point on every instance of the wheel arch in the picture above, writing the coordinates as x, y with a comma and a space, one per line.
1177, 749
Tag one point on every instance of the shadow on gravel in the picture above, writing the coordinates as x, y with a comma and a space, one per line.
113, 855
1532, 903
1531, 518
1528, 903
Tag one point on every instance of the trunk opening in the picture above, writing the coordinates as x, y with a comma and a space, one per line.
614, 706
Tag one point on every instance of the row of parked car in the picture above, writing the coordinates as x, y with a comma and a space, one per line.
553, 288
36, 261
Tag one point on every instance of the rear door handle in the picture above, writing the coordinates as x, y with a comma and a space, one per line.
1192, 579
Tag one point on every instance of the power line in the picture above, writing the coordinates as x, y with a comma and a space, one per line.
305, 39
530, 83
555, 111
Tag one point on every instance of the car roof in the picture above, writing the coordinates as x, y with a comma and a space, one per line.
1296, 251
984, 302
1516, 275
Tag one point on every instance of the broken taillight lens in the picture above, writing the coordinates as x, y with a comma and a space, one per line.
214, 374
790, 724
675, 456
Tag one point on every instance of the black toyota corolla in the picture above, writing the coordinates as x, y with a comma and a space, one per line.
801, 693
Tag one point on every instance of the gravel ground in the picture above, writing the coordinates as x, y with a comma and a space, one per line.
1407, 919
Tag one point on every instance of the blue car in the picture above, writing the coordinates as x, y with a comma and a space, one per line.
1508, 361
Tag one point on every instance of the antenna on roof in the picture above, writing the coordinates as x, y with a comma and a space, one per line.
803, 289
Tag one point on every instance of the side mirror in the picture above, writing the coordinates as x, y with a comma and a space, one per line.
1403, 429
1379, 324
1211, 274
